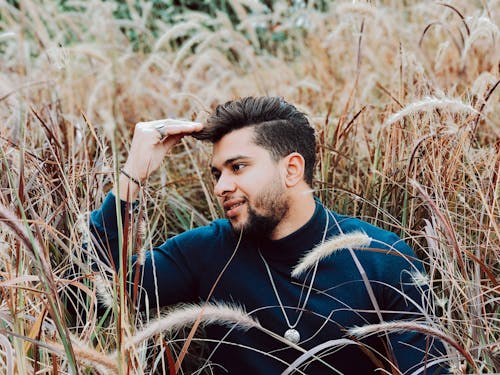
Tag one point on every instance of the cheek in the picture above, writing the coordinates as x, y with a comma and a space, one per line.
259, 184
250, 185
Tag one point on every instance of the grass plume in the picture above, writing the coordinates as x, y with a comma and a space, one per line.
431, 103
367, 330
327, 248
186, 315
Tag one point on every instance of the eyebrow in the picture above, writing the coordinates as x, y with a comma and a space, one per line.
229, 161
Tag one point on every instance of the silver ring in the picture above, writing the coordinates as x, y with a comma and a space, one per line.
159, 128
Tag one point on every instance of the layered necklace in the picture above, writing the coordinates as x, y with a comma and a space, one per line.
292, 334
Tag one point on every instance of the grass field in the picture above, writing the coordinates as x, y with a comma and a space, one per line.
404, 97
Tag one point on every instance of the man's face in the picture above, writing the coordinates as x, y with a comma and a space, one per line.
249, 184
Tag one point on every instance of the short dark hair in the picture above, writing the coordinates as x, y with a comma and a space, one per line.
279, 127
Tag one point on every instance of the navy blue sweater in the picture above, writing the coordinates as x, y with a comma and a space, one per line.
188, 265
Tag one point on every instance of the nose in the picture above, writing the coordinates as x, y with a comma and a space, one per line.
225, 184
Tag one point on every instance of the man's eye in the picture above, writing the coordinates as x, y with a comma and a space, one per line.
237, 167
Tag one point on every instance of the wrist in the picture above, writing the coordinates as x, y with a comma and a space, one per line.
134, 170
126, 189
131, 177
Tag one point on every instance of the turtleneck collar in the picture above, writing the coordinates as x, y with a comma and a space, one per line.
293, 246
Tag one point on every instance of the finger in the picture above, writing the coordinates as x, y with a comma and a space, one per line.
166, 122
172, 140
165, 128
160, 131
184, 128
169, 140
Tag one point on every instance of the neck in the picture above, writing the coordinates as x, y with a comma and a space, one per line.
301, 209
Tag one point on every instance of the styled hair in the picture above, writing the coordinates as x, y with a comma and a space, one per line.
278, 126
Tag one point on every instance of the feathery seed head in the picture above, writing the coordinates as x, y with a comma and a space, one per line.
419, 278
350, 240
186, 315
397, 326
430, 103
363, 9
103, 291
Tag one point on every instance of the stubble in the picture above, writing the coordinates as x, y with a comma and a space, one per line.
269, 209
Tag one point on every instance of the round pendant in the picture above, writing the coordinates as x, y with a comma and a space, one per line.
292, 335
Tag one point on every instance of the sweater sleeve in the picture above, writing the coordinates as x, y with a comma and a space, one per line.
104, 229
405, 298
165, 276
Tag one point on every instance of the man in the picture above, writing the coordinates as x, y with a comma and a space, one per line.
263, 160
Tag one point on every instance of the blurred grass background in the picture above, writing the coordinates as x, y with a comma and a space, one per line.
403, 94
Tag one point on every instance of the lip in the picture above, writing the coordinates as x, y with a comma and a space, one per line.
233, 206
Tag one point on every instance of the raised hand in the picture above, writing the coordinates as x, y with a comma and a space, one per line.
151, 142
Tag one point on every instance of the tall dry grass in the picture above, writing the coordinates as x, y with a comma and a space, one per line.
405, 99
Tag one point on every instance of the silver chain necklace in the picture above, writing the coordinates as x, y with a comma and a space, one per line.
292, 334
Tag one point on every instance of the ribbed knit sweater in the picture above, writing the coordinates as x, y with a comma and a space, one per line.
188, 265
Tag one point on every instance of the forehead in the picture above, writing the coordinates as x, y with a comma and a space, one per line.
235, 144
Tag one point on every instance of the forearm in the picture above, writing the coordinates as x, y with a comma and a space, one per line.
105, 230
165, 272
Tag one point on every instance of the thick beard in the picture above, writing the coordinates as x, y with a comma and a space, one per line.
275, 207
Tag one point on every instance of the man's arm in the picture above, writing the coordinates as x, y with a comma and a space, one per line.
165, 274
406, 299
150, 144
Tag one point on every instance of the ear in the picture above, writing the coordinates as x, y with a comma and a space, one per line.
294, 169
